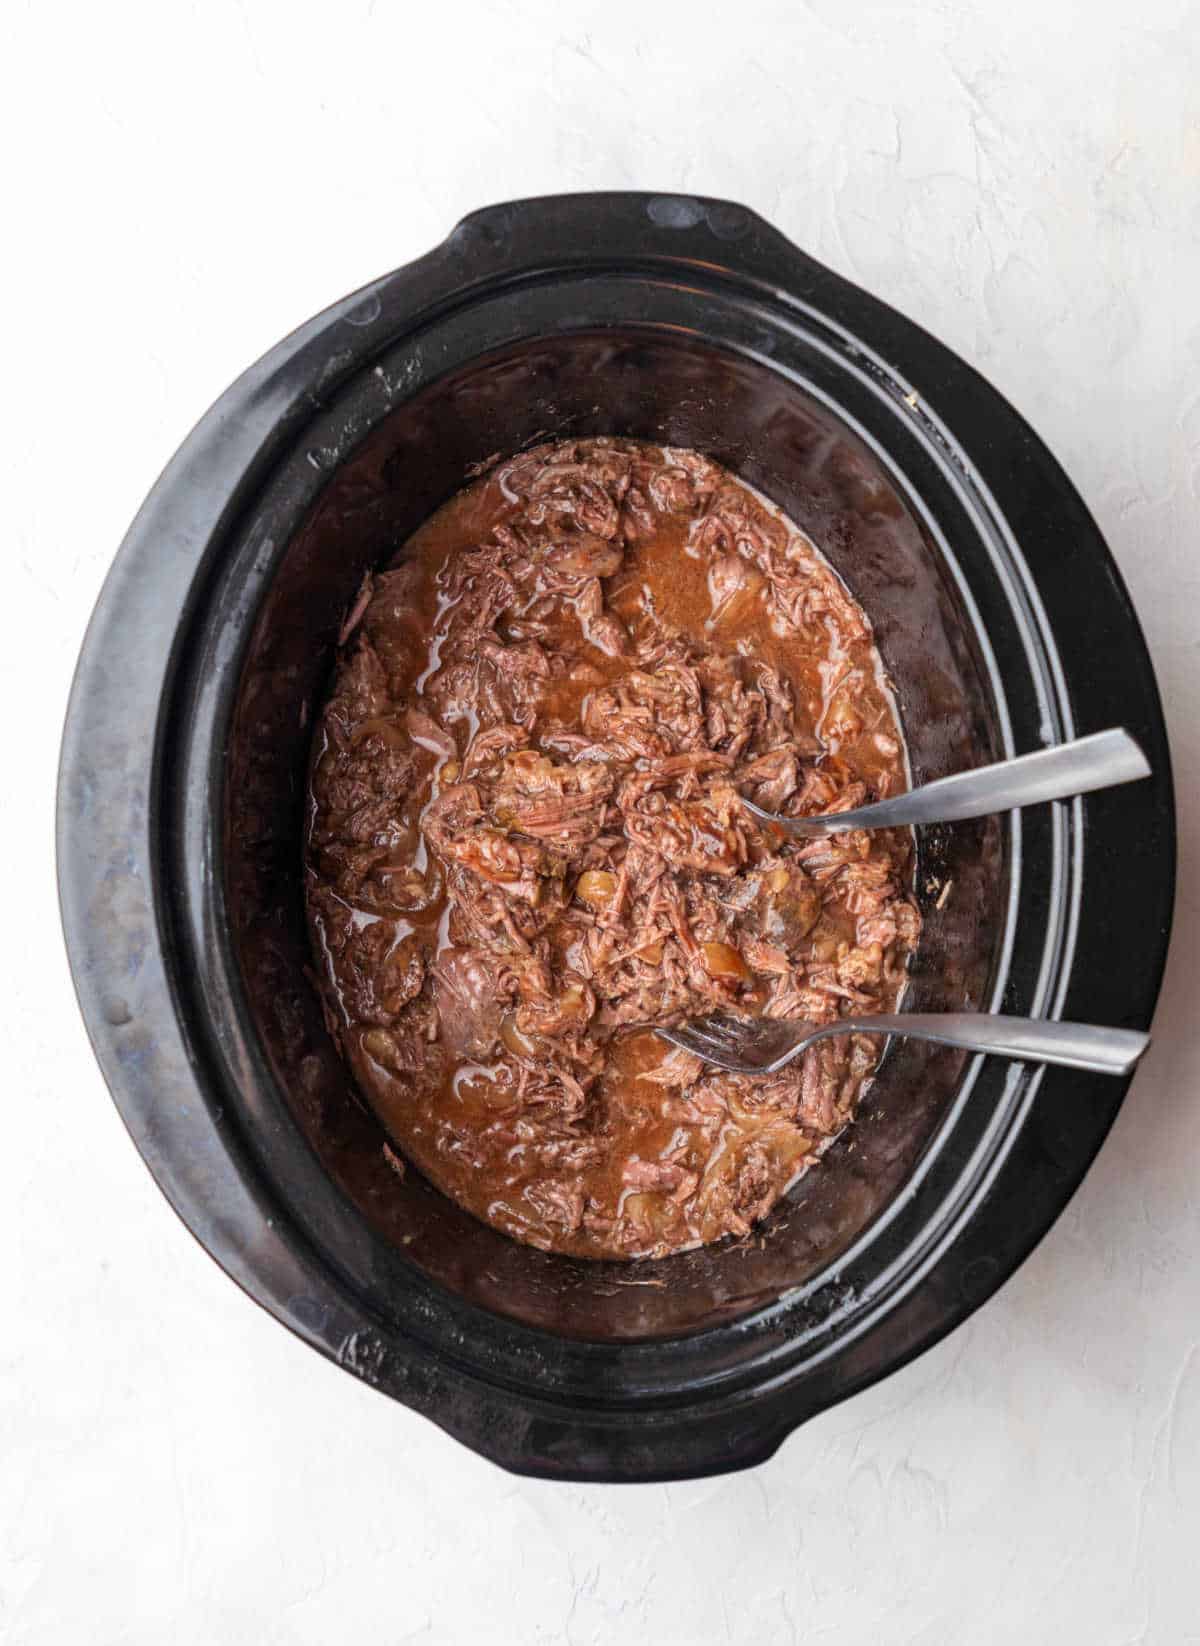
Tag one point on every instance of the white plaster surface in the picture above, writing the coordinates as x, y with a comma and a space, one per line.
183, 184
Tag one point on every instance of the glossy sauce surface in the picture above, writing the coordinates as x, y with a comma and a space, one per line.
526, 845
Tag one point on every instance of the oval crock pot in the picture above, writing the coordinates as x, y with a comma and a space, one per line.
1003, 623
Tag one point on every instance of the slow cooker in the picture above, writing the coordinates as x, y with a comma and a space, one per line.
1004, 625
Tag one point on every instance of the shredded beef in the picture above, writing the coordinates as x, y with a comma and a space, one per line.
527, 845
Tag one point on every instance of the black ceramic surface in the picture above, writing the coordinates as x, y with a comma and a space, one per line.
993, 595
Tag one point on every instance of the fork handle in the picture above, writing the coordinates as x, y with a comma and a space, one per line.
1029, 1039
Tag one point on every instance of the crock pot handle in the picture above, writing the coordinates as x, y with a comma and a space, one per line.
556, 230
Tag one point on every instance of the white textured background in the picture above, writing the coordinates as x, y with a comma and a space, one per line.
183, 184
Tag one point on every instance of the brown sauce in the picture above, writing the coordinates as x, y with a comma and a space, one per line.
526, 846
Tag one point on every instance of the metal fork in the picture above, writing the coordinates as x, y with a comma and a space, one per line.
764, 1045
1097, 762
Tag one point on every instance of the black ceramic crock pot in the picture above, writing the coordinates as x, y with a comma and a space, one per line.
1003, 623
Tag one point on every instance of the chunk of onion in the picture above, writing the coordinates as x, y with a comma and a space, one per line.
596, 887
520, 1045
724, 962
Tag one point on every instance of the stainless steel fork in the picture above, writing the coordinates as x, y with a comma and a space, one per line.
1100, 761
764, 1045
